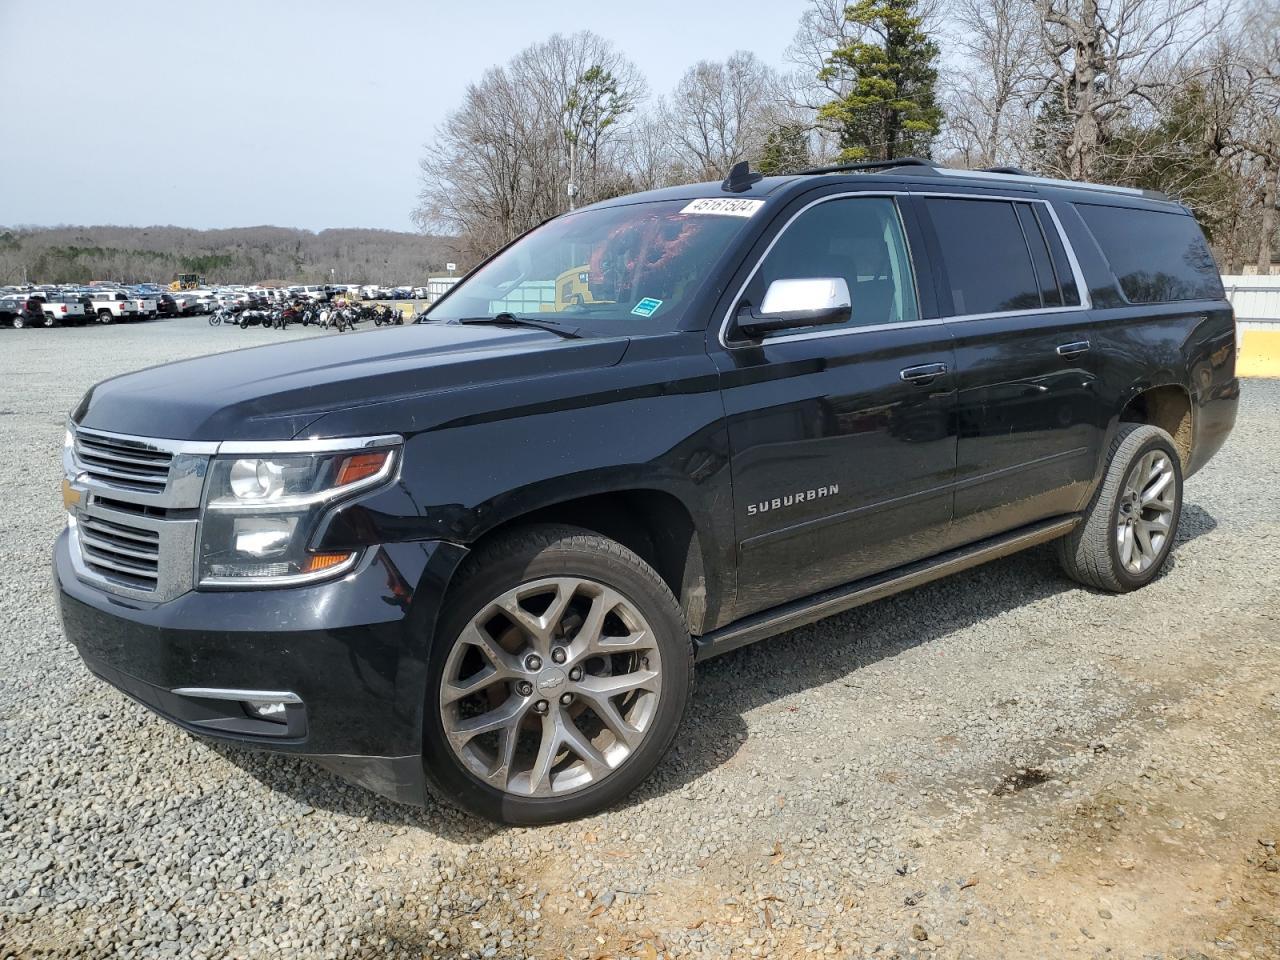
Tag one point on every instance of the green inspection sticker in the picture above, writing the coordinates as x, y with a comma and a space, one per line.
646, 307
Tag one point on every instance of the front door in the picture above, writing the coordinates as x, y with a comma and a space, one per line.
842, 440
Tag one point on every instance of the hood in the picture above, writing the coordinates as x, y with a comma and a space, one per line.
274, 392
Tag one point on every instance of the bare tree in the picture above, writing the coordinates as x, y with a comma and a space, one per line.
501, 163
996, 41
720, 112
1107, 57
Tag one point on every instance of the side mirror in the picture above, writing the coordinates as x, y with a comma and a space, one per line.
799, 303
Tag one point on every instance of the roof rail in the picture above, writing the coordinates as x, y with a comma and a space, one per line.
987, 173
870, 165
1032, 179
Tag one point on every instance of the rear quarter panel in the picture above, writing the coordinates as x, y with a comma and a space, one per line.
1188, 344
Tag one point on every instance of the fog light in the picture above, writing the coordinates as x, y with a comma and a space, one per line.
273, 710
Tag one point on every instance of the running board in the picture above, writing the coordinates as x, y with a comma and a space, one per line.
799, 613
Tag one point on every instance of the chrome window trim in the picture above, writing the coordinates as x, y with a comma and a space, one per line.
1086, 302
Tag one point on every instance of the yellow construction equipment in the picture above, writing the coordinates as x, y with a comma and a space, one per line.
187, 281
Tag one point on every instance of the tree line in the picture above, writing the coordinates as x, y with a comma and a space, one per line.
1181, 96
241, 255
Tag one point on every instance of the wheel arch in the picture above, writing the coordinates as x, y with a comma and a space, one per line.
1168, 406
653, 523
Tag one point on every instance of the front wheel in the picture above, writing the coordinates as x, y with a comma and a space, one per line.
563, 669
1128, 531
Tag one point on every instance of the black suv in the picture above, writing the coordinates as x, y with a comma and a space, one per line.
20, 310
484, 553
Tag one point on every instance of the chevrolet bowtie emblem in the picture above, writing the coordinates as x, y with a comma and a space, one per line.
70, 496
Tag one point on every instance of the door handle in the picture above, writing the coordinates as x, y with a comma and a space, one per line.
925, 373
1069, 351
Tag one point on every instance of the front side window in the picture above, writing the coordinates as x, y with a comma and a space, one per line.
612, 270
1157, 257
986, 256
857, 238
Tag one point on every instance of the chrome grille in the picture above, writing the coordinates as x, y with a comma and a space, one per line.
133, 465
120, 552
134, 511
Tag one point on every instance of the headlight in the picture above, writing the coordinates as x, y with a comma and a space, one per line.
261, 511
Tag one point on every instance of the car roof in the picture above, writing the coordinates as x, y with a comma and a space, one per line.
912, 173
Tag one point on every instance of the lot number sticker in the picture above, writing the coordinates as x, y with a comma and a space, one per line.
646, 307
724, 206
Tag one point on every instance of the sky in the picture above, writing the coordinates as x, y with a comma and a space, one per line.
227, 113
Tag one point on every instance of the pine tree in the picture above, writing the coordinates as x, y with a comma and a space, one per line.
786, 150
890, 108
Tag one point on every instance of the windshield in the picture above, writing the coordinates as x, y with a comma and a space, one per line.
614, 270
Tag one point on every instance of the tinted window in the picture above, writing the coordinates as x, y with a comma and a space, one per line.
986, 258
1156, 256
1050, 295
859, 239
1061, 265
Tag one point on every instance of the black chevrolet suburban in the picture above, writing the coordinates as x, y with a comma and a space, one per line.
481, 554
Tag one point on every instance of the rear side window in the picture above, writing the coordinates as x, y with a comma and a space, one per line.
986, 257
1061, 264
1050, 295
1156, 256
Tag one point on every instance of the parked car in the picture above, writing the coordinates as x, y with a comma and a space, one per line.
167, 305
21, 311
482, 554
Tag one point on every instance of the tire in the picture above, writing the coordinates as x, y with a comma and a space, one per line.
634, 614
48, 321
104, 316
1141, 490
19, 321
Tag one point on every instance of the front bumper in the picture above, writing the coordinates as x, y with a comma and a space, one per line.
352, 651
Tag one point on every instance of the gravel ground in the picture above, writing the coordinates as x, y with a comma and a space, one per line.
998, 764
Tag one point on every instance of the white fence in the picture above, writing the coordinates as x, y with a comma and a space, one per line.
438, 287
1256, 299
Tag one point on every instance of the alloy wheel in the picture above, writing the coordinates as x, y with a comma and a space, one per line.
551, 687
1144, 514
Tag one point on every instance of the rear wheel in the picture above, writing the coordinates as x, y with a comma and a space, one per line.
1128, 531
49, 320
104, 316
562, 672
19, 321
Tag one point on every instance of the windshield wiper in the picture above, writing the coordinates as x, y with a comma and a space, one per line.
510, 319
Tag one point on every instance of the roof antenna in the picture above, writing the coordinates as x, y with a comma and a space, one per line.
740, 178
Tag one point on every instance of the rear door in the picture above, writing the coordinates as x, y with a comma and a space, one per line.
842, 445
1029, 409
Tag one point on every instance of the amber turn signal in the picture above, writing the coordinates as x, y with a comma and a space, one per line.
324, 561
359, 466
